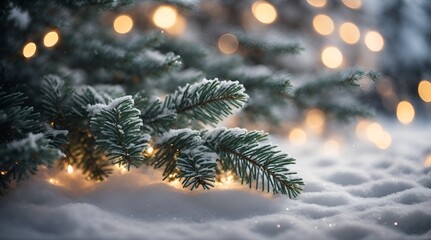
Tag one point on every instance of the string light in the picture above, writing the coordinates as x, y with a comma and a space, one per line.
149, 150
374, 41
228, 43
424, 90
405, 112
69, 169
121, 167
332, 57
264, 12
297, 136
3, 173
323, 24
165, 16
427, 161
29, 50
53, 181
50, 39
353, 4
317, 3
350, 33
123, 24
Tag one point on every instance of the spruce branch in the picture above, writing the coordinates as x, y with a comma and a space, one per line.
117, 128
253, 161
208, 101
56, 99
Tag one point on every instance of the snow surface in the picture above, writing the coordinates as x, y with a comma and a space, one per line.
360, 192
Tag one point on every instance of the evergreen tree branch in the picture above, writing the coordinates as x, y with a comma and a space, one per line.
117, 128
244, 153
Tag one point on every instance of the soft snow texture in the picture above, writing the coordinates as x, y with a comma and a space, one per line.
360, 193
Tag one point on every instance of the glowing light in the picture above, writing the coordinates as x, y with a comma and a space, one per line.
323, 24
53, 181
69, 169
405, 112
427, 161
315, 120
149, 150
424, 90
317, 3
373, 131
165, 16
264, 12
122, 168
179, 26
228, 44
3, 173
297, 136
374, 41
123, 24
383, 140
350, 33
332, 57
29, 50
51, 39
361, 128
354, 4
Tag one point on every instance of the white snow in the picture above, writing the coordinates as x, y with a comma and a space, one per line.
96, 108
20, 17
359, 192
30, 140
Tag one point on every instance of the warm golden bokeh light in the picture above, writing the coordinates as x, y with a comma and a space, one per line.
350, 33
165, 16
383, 140
69, 169
332, 57
54, 181
51, 39
228, 43
323, 24
149, 150
361, 128
317, 3
373, 131
315, 120
354, 4
29, 50
297, 136
179, 26
405, 112
123, 24
424, 90
427, 161
264, 12
374, 41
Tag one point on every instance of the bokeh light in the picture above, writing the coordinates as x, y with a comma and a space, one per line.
374, 41
165, 16
317, 3
405, 112
361, 129
323, 24
332, 57
228, 43
123, 24
427, 161
297, 136
179, 26
51, 39
264, 12
353, 4
373, 131
69, 169
29, 50
383, 140
350, 33
424, 90
315, 120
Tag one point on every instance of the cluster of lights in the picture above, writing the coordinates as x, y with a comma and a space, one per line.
331, 56
375, 133
49, 40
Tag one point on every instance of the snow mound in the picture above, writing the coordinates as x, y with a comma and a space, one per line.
359, 193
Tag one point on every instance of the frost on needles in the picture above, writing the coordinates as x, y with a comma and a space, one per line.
103, 128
